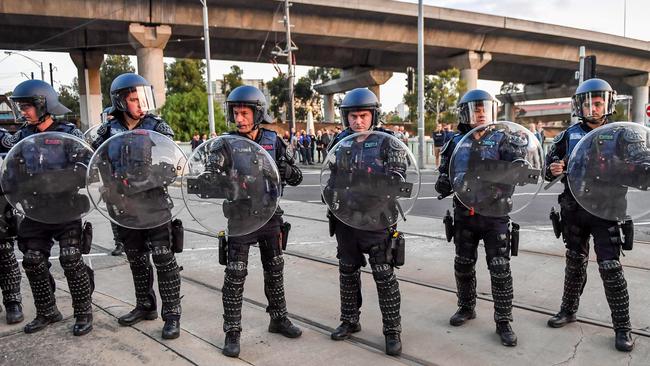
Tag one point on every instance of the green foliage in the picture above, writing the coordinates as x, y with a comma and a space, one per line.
188, 112
184, 75
69, 96
319, 75
303, 90
279, 93
112, 67
232, 80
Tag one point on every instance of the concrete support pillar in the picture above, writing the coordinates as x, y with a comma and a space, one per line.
375, 89
508, 108
328, 108
469, 64
149, 43
90, 87
639, 95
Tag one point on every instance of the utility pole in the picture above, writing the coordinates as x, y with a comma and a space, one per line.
206, 38
291, 113
421, 146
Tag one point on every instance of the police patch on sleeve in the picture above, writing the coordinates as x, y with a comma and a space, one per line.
559, 137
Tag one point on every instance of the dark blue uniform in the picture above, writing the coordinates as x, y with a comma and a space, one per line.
578, 225
157, 241
9, 271
353, 243
471, 227
35, 240
269, 237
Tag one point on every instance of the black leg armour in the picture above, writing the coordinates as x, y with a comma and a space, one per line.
575, 279
350, 287
37, 271
465, 281
616, 293
389, 297
274, 287
9, 274
502, 292
142, 272
233, 291
79, 279
169, 281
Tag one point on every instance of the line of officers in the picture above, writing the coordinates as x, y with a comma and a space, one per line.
132, 102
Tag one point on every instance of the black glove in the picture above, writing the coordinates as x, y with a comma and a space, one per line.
285, 171
443, 185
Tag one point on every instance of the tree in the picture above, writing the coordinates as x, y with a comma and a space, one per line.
232, 80
319, 75
69, 96
112, 67
188, 112
184, 75
279, 94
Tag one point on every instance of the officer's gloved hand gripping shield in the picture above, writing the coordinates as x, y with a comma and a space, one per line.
44, 176
609, 171
91, 134
134, 179
231, 184
496, 169
370, 180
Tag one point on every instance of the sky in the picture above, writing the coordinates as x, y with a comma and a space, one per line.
596, 15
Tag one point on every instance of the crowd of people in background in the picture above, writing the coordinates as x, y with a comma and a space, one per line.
197, 139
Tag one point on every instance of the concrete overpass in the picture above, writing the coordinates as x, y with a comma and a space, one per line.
361, 36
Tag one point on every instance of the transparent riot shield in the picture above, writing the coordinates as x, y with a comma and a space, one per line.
43, 177
134, 179
609, 171
496, 169
91, 134
370, 180
231, 184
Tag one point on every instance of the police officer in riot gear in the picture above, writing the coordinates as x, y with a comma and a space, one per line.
38, 103
132, 98
360, 111
247, 109
476, 108
9, 271
593, 104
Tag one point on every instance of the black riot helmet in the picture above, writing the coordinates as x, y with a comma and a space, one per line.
125, 84
248, 96
593, 100
39, 94
360, 99
476, 107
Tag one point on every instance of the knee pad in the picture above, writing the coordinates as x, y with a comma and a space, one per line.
382, 272
499, 265
275, 264
71, 238
464, 265
70, 258
611, 266
236, 270
33, 259
347, 268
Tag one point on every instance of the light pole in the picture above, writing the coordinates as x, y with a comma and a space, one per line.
206, 38
421, 84
38, 63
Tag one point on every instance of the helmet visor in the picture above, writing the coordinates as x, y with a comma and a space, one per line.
140, 97
594, 105
481, 112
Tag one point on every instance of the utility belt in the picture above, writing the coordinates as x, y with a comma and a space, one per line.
626, 227
513, 231
224, 247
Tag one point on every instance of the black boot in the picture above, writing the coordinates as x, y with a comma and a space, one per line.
83, 324
393, 344
624, 342
136, 315
284, 327
508, 336
561, 319
41, 321
172, 328
345, 330
14, 313
461, 316
231, 345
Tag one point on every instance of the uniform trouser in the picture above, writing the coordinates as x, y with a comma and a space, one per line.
270, 243
352, 245
578, 226
9, 273
494, 233
157, 241
35, 241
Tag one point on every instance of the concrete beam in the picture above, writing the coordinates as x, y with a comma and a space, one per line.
90, 87
149, 43
640, 84
357, 78
469, 64
537, 92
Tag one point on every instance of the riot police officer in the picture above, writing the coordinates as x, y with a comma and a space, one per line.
593, 104
9, 271
476, 108
360, 111
247, 109
38, 103
132, 99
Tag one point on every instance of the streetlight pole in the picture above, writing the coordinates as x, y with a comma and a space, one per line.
287, 23
420, 84
38, 63
206, 38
